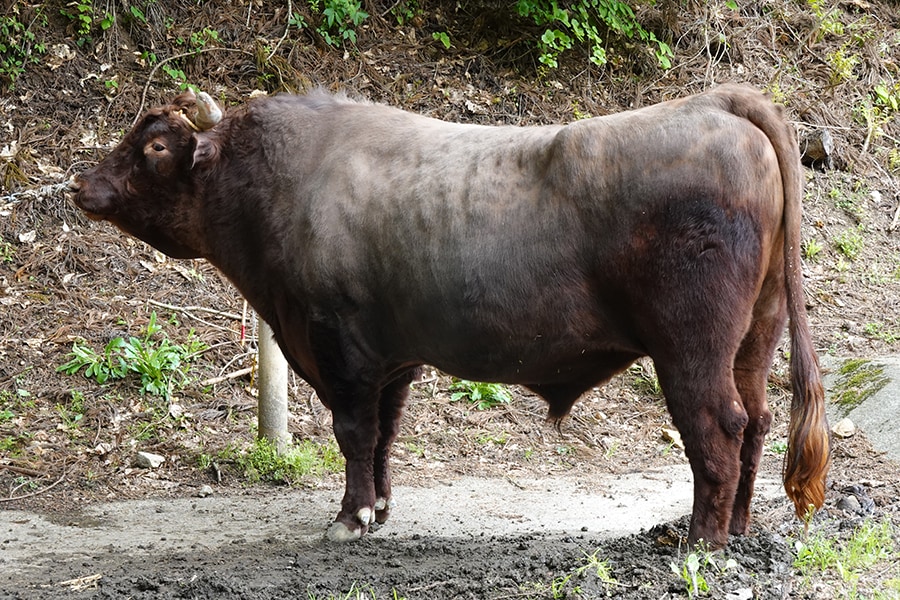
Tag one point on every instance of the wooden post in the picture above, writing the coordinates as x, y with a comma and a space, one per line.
273, 373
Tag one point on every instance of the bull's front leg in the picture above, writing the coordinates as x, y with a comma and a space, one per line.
356, 430
390, 410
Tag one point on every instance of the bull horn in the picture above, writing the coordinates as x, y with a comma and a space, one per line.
208, 112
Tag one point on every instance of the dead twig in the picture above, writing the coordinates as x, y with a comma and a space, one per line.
37, 493
23, 471
190, 309
896, 220
82, 583
140, 109
284, 35
233, 375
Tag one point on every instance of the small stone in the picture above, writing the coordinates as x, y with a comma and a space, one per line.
205, 491
850, 504
672, 435
844, 428
741, 594
148, 460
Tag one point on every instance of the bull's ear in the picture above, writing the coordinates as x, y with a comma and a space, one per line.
205, 149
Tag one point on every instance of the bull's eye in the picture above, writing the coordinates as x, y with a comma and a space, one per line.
158, 147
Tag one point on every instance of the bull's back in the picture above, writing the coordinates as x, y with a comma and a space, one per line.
497, 246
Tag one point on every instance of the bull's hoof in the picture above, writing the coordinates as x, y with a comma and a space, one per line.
383, 508
340, 532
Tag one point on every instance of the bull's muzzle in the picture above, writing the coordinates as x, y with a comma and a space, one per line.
75, 187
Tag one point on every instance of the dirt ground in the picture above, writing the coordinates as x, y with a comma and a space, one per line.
67, 444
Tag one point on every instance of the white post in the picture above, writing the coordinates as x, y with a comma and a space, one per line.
273, 374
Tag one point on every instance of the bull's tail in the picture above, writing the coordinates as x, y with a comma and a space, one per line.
808, 454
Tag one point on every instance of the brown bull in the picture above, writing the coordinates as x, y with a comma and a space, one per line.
374, 241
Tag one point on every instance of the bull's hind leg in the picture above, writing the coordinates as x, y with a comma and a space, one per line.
707, 410
751, 370
390, 409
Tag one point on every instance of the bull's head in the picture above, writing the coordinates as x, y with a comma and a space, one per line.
146, 186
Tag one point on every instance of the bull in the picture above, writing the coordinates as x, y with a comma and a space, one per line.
375, 241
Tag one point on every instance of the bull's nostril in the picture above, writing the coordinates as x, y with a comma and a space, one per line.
73, 185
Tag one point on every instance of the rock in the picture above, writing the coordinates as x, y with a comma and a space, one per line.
816, 149
148, 460
205, 491
850, 504
672, 435
741, 594
844, 428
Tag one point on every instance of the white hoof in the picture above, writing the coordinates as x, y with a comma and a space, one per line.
338, 532
366, 516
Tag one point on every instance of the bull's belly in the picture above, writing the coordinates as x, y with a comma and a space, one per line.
537, 364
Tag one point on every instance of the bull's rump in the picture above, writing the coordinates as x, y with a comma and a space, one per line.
516, 254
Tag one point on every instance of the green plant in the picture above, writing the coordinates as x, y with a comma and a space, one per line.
887, 98
199, 39
582, 22
828, 21
811, 249
599, 567
405, 11
72, 412
871, 543
645, 380
81, 14
297, 20
18, 399
695, 564
442, 37
778, 447
691, 575
204, 461
851, 202
6, 415
9, 444
7, 251
498, 439
264, 462
894, 160
356, 592
880, 332
415, 449
176, 74
340, 20
19, 45
842, 65
850, 242
138, 14
482, 395
160, 364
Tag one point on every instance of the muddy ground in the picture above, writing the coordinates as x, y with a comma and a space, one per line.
67, 443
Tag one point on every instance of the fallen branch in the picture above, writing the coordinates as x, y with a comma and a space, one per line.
896, 218
234, 375
37, 493
190, 309
23, 471
284, 36
140, 109
82, 583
